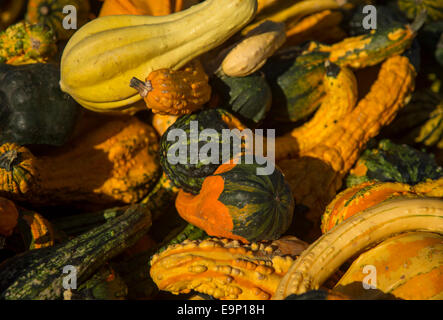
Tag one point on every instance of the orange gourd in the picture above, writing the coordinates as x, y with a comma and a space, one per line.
109, 161
144, 7
175, 92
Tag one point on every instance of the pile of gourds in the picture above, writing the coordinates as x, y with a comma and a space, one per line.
86, 120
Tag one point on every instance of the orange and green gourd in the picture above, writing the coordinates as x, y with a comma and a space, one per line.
367, 194
390, 162
372, 48
409, 266
297, 90
222, 268
237, 203
188, 174
360, 197
24, 43
51, 13
175, 92
36, 231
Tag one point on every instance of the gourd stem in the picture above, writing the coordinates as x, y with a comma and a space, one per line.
8, 159
143, 88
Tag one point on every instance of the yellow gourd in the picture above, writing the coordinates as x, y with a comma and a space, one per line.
102, 57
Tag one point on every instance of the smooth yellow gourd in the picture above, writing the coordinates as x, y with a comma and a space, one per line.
101, 58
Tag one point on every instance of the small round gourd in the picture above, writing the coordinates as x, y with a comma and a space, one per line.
237, 203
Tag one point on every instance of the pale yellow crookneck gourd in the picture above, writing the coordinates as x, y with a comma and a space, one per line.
101, 58
367, 228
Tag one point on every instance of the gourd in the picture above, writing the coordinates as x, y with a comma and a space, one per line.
292, 13
297, 89
252, 52
51, 13
36, 231
340, 87
434, 8
237, 203
160, 197
248, 98
265, 4
144, 7
315, 175
38, 274
9, 12
222, 268
189, 173
8, 217
161, 122
372, 48
32, 107
103, 85
362, 196
351, 237
409, 266
134, 266
323, 26
24, 43
157, 201
171, 92
122, 166
420, 122
388, 162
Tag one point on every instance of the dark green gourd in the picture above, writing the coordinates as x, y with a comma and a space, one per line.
33, 109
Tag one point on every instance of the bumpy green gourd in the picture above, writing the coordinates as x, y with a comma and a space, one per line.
389, 162
24, 43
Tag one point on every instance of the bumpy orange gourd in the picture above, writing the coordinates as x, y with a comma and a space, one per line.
224, 269
109, 161
8, 217
175, 92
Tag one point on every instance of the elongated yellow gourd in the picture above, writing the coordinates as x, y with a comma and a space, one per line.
101, 58
369, 227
